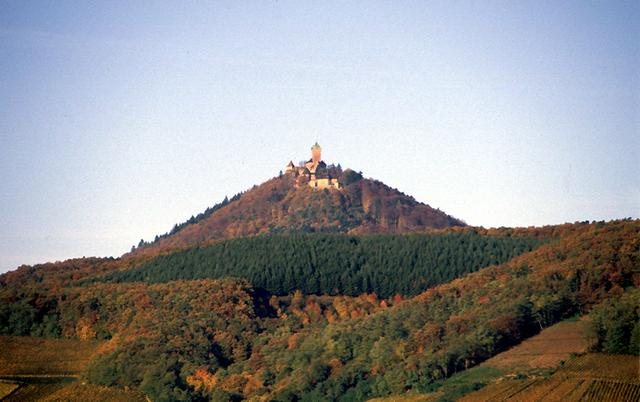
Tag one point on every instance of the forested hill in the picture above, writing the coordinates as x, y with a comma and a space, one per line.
227, 340
336, 264
277, 206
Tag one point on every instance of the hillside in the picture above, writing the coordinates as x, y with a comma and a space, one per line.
553, 365
224, 339
532, 360
278, 205
335, 263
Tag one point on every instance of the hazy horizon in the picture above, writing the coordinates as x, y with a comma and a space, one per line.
118, 120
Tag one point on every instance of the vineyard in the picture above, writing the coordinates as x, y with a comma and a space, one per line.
588, 377
604, 367
7, 388
68, 392
48, 370
592, 377
408, 398
544, 351
33, 392
612, 391
80, 392
37, 356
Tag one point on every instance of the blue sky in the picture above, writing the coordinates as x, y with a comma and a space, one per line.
119, 119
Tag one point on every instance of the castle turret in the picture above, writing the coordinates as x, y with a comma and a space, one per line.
316, 158
291, 168
316, 153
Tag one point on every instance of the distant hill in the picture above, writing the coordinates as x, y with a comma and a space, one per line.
280, 205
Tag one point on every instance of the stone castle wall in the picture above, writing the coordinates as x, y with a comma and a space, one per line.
324, 183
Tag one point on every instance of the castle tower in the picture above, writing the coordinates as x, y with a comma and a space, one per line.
316, 154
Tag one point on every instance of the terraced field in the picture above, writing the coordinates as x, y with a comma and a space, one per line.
37, 369
592, 377
546, 350
602, 366
33, 392
7, 388
409, 398
79, 392
24, 355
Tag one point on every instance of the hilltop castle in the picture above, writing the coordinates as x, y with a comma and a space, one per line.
314, 172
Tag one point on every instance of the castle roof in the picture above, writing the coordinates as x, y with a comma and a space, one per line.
320, 164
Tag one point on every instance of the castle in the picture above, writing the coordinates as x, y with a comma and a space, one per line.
314, 172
